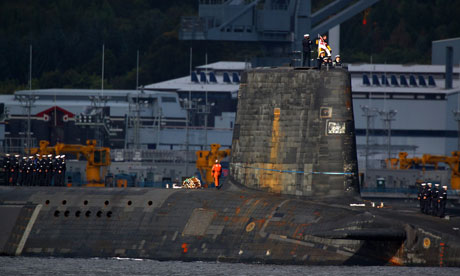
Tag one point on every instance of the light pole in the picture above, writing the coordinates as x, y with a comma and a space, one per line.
388, 116
99, 102
369, 113
27, 102
457, 118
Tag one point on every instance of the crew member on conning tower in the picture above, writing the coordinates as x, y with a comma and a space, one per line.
324, 51
306, 47
216, 172
337, 61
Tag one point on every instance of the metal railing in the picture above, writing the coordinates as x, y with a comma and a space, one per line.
157, 156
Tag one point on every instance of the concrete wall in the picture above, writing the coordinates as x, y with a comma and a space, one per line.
282, 142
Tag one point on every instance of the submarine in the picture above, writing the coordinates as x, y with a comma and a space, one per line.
292, 196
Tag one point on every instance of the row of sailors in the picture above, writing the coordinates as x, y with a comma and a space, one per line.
432, 199
34, 171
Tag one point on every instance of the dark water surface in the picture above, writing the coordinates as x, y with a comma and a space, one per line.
116, 266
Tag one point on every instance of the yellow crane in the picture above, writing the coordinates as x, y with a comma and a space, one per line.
404, 163
205, 159
97, 158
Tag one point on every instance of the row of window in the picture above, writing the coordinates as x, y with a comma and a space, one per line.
403, 81
212, 77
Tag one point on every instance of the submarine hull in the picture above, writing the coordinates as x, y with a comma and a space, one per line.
289, 199
210, 225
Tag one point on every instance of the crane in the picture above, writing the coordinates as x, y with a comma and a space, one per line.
452, 161
96, 157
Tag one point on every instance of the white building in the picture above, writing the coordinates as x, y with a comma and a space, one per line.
423, 118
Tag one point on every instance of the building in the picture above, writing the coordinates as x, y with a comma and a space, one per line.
115, 118
445, 50
212, 88
412, 102
409, 102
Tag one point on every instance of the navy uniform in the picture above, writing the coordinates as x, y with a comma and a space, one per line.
48, 170
421, 201
434, 200
35, 168
41, 171
22, 171
30, 171
427, 198
34, 178
306, 47
14, 170
337, 61
55, 166
61, 170
442, 200
7, 168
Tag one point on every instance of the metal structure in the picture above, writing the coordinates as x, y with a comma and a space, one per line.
97, 158
457, 118
404, 163
205, 160
369, 113
27, 101
279, 22
388, 116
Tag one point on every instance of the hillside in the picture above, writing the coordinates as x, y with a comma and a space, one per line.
67, 38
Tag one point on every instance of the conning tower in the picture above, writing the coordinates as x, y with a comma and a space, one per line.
294, 132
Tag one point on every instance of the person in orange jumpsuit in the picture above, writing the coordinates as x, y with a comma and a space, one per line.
215, 172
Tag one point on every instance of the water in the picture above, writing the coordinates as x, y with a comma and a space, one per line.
117, 266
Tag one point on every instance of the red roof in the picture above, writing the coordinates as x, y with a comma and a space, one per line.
49, 110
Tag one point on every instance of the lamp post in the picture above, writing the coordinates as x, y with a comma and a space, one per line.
369, 113
27, 102
99, 102
457, 118
388, 116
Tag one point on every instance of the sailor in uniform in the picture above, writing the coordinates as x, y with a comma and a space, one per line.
442, 200
420, 197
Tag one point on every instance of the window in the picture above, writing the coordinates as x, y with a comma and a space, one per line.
168, 99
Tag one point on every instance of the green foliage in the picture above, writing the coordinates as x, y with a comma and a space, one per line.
67, 38
400, 31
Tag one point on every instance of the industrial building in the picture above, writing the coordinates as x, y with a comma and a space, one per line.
404, 108
151, 118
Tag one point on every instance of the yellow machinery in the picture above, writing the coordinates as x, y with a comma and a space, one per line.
205, 159
404, 163
96, 157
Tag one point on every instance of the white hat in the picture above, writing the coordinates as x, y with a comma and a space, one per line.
31, 156
24, 157
16, 155
337, 56
7, 154
445, 187
423, 184
305, 35
429, 184
57, 156
62, 156
437, 184
49, 155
